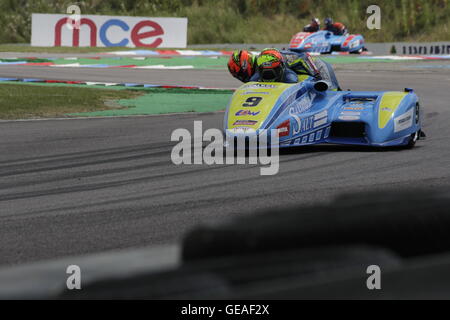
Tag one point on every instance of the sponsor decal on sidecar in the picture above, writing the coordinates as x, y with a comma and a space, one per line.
403, 122
242, 113
302, 125
245, 123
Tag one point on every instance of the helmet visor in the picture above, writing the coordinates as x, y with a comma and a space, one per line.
272, 74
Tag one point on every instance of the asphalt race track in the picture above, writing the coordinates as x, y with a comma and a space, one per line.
70, 187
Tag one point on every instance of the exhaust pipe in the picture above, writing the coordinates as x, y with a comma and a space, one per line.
321, 86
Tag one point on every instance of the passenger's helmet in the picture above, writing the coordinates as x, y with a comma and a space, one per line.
328, 21
242, 65
271, 65
315, 22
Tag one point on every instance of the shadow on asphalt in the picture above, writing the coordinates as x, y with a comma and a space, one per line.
338, 148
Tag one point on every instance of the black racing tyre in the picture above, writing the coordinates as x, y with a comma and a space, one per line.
412, 140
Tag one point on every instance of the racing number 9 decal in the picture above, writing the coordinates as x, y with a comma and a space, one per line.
252, 102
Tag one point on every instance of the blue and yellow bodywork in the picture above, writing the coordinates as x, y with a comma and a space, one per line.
309, 113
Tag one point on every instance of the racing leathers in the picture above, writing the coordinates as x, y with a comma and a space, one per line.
337, 28
311, 28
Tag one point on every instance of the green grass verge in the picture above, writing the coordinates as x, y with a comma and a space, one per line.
19, 101
25, 47
196, 62
163, 101
30, 49
43, 100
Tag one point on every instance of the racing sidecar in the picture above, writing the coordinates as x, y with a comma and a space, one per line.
326, 42
309, 112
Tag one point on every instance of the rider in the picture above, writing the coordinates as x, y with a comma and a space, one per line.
243, 65
279, 66
337, 28
314, 26
272, 66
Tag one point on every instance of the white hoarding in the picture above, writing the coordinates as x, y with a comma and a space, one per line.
50, 30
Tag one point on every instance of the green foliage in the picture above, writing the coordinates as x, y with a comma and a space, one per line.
247, 21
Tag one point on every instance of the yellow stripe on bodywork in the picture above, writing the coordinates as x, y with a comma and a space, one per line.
389, 103
303, 77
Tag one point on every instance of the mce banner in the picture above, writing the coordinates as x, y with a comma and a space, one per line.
56, 30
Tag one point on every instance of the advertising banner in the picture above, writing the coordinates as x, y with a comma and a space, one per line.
55, 30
